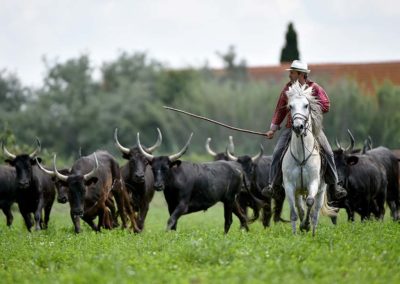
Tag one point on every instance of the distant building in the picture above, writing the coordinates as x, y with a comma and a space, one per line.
369, 76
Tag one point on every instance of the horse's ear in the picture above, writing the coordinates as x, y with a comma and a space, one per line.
352, 160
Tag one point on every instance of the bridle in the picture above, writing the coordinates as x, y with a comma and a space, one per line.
302, 163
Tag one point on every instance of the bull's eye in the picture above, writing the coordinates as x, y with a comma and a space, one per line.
306, 106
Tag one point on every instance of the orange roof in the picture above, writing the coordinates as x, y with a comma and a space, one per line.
368, 75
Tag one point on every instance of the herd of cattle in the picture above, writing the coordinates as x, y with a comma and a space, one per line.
95, 186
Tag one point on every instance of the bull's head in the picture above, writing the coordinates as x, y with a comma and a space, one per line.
61, 188
161, 165
344, 162
137, 162
23, 165
77, 186
247, 163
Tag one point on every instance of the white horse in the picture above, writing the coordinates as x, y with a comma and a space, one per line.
301, 165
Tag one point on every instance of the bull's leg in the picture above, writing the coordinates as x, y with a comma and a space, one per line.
279, 199
38, 215
379, 206
267, 212
228, 216
242, 201
9, 215
91, 223
77, 222
130, 211
180, 210
117, 191
111, 206
47, 210
393, 209
143, 209
241, 216
105, 218
28, 220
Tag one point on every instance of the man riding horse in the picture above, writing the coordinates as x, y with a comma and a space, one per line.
298, 71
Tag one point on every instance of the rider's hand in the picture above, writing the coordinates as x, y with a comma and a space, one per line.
270, 134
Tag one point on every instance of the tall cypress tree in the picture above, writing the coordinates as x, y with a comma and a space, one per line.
290, 51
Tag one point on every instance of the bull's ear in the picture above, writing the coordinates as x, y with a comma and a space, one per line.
11, 162
175, 163
126, 156
63, 183
33, 161
352, 160
91, 180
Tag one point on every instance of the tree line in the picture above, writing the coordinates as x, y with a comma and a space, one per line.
72, 112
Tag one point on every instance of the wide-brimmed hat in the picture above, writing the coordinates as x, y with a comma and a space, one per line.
297, 65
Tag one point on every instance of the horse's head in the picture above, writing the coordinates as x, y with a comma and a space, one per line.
302, 106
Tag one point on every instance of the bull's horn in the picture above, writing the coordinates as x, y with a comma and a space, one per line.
211, 152
38, 147
231, 145
176, 156
158, 142
119, 146
338, 144
370, 142
144, 153
58, 175
7, 153
230, 156
350, 148
51, 173
92, 173
253, 159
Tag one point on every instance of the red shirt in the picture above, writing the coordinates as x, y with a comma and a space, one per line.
281, 110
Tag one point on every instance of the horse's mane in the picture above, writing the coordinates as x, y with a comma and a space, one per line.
296, 90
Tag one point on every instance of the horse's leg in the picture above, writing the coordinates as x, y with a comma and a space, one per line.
312, 192
305, 224
319, 201
289, 190
300, 207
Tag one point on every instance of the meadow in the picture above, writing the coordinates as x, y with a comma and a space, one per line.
199, 252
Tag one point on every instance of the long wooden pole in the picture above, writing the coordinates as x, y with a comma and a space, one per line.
214, 121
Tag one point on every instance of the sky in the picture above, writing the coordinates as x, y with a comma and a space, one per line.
189, 33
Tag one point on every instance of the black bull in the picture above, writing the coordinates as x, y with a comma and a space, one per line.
35, 190
382, 157
366, 184
138, 177
91, 183
8, 191
256, 172
190, 187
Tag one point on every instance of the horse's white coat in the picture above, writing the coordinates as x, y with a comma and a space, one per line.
304, 182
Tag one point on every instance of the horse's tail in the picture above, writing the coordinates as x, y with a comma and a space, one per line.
327, 210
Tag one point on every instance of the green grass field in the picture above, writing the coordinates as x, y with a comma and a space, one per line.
199, 252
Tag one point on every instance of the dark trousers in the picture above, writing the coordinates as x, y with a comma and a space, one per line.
275, 174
